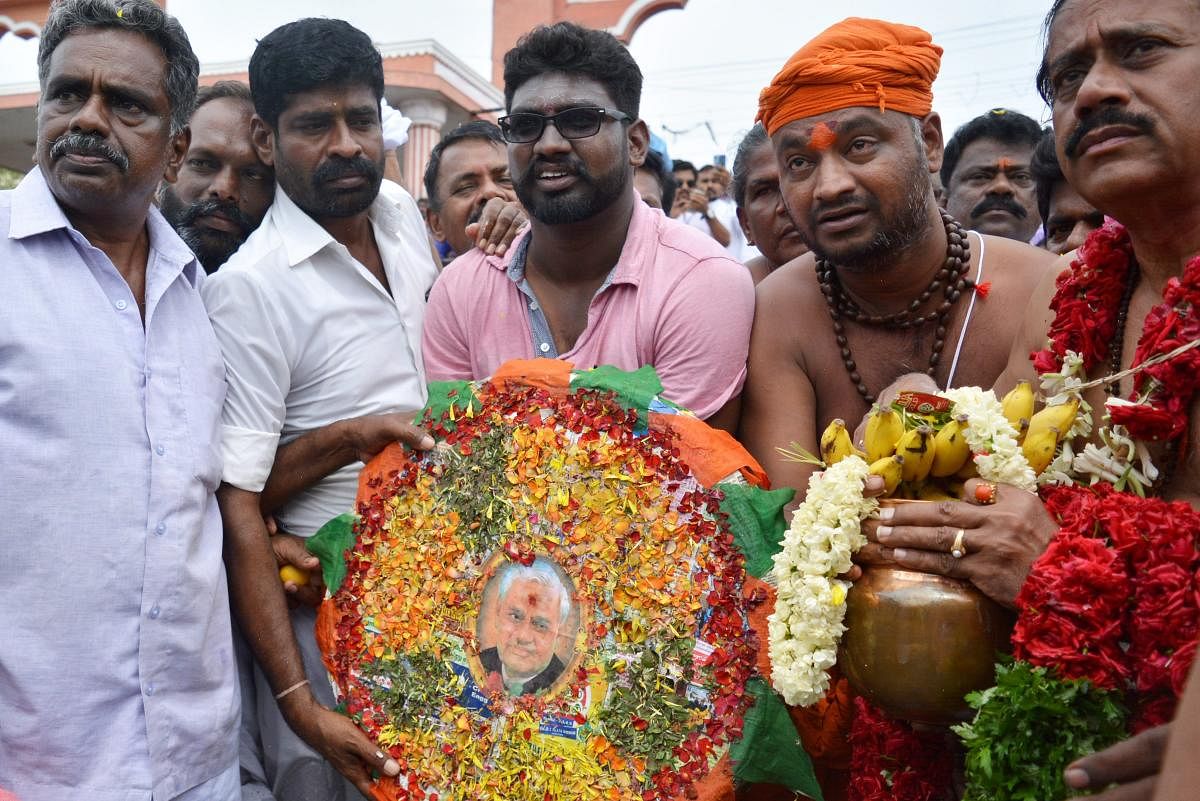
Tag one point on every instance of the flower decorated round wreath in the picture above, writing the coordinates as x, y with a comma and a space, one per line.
548, 605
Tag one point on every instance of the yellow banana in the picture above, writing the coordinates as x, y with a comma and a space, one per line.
835, 442
884, 429
950, 448
1061, 417
916, 446
1018, 403
1039, 448
889, 468
1022, 429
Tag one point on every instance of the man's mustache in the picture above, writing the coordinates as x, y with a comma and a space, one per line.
1001, 202
77, 144
207, 208
1108, 115
337, 167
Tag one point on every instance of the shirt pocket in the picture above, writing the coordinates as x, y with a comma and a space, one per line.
203, 396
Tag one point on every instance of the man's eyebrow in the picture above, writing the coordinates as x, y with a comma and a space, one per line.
1112, 37
557, 107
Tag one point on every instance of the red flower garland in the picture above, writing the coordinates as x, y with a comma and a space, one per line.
1116, 597
1086, 304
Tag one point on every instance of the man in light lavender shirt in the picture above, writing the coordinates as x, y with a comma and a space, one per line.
600, 277
116, 665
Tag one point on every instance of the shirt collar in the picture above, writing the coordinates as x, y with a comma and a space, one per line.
640, 239
35, 211
304, 237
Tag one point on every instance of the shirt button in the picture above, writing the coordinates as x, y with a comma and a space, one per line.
121, 305
160, 450
154, 613
149, 689
160, 529
533, 305
544, 347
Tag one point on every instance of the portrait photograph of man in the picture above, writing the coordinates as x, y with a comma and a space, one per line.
527, 626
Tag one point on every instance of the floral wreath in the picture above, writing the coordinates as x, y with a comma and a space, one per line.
621, 502
1109, 615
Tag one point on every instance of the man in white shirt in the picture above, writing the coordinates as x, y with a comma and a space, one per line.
706, 209
319, 315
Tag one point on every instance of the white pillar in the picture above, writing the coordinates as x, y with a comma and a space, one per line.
428, 115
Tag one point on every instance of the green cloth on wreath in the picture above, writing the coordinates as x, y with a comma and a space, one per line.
756, 519
447, 395
770, 750
329, 545
633, 389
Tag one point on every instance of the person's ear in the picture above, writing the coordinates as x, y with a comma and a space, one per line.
931, 136
263, 139
180, 143
436, 226
741, 217
639, 143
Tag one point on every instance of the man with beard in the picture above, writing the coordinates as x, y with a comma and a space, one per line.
600, 277
470, 189
893, 284
116, 669
319, 317
985, 169
760, 208
220, 190
896, 274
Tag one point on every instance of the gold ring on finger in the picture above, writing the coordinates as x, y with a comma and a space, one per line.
959, 549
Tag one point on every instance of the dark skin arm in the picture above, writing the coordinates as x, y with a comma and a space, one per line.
253, 556
262, 613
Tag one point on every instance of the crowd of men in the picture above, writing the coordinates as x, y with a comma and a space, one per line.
219, 309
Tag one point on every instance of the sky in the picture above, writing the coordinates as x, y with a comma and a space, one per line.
704, 65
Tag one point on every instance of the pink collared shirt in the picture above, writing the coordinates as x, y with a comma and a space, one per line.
675, 301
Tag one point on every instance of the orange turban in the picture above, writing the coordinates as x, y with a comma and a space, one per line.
857, 62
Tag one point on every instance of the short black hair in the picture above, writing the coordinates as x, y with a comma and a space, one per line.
137, 16
303, 55
755, 138
1046, 172
657, 166
680, 164
575, 50
1000, 124
222, 90
475, 129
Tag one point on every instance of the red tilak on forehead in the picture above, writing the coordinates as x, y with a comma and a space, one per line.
822, 136
1004, 165
533, 599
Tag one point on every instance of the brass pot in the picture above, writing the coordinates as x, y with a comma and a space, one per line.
916, 643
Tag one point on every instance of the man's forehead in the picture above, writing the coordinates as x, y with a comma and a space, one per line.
1086, 24
331, 98
474, 155
553, 91
994, 153
818, 129
121, 55
222, 119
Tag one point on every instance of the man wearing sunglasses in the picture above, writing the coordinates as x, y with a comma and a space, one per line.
599, 278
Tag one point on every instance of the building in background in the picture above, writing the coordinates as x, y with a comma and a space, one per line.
431, 84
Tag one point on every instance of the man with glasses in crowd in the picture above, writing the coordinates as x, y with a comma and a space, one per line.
599, 278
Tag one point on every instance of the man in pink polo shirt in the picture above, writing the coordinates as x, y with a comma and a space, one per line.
600, 277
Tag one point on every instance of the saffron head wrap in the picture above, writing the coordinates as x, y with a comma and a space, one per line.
857, 62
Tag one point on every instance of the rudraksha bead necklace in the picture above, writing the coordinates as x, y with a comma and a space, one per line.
951, 280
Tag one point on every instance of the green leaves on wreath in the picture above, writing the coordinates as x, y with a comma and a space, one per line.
329, 545
1029, 727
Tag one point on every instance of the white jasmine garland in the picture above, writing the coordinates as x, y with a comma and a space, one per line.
811, 601
1061, 387
992, 438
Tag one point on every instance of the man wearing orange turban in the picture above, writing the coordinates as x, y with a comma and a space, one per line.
892, 285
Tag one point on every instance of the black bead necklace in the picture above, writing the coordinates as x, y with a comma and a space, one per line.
951, 280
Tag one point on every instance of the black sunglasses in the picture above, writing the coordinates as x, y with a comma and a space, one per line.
573, 123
